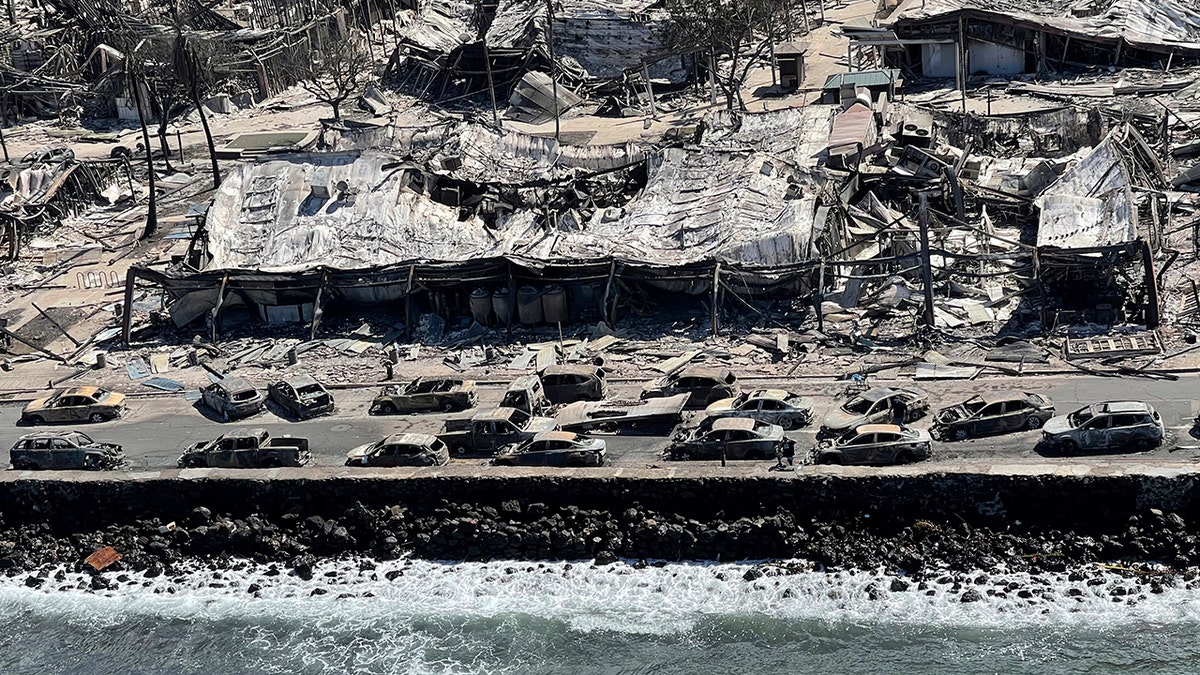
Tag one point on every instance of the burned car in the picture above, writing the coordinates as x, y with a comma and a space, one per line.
64, 450
79, 404
703, 385
993, 413
247, 449
527, 395
441, 394
554, 448
302, 396
233, 397
878, 405
1111, 425
875, 444
735, 438
574, 382
401, 450
775, 406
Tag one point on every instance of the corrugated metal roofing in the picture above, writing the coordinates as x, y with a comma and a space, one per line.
862, 78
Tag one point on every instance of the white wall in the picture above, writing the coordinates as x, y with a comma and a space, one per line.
995, 59
937, 60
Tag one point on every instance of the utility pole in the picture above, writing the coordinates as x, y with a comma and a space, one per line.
926, 273
553, 63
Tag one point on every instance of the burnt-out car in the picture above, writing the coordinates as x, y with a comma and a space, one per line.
704, 386
574, 382
878, 405
425, 394
64, 450
78, 404
527, 395
302, 396
233, 397
777, 406
876, 444
993, 413
401, 450
1108, 426
554, 448
734, 438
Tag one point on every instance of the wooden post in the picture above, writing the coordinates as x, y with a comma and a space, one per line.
1152, 302
408, 291
819, 297
127, 314
960, 59
216, 311
649, 89
716, 287
487, 60
553, 63
318, 306
926, 272
604, 311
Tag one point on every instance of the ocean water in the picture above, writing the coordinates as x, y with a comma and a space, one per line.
576, 618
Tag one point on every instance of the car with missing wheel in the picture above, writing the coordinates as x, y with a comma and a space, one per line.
64, 450
302, 396
233, 397
401, 450
1106, 426
425, 394
734, 438
554, 448
993, 413
703, 385
776, 406
878, 405
875, 444
78, 404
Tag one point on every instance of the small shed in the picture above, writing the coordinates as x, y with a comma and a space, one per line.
789, 56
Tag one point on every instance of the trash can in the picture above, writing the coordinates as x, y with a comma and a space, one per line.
529, 305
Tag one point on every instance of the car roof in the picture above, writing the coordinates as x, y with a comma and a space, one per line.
301, 380
524, 382
876, 393
235, 383
50, 434
733, 424
878, 429
86, 390
410, 439
1001, 396
703, 371
769, 393
555, 436
245, 433
494, 414
1123, 407
571, 369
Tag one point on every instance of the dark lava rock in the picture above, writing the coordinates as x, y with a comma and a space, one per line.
253, 588
898, 586
606, 558
971, 595
318, 591
753, 574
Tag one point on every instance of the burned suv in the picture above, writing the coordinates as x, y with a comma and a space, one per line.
1111, 425
233, 397
64, 450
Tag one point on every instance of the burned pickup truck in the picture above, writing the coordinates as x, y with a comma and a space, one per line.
490, 430
247, 449
443, 394
655, 415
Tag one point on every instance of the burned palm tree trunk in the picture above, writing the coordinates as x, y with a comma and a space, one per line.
152, 216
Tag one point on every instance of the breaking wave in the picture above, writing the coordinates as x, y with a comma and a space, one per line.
426, 617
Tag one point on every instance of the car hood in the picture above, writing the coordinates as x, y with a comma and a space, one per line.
1059, 424
840, 419
359, 452
36, 404
114, 398
720, 407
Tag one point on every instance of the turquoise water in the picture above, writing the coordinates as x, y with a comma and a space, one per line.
522, 618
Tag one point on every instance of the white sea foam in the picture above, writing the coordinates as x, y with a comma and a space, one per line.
665, 600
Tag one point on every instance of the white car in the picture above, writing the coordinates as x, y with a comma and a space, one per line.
1111, 425
875, 444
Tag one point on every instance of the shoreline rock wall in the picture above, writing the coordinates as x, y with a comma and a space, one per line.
910, 523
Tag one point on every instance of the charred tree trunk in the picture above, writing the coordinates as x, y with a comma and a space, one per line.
152, 215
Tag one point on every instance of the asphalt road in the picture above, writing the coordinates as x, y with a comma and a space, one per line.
156, 430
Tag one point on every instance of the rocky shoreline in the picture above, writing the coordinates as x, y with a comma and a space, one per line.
915, 552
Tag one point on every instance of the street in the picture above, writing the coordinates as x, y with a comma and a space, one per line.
156, 430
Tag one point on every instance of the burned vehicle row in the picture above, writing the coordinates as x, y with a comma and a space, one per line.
233, 397
301, 396
875, 444
878, 405
64, 450
992, 413
775, 406
247, 449
401, 450
554, 448
731, 438
1107, 426
425, 395
703, 385
79, 404
490, 430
